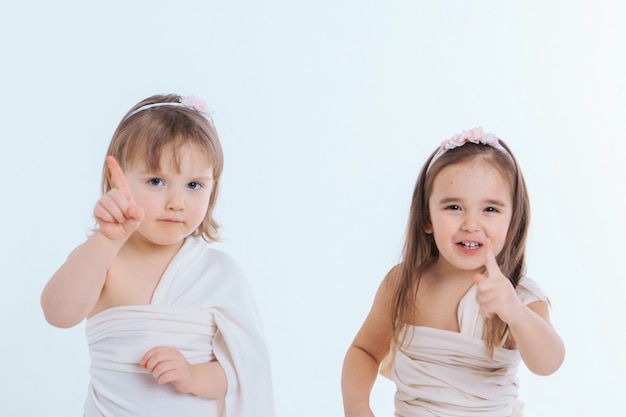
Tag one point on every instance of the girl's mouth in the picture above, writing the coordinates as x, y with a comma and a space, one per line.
470, 245
171, 220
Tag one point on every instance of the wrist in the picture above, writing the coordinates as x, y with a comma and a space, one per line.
518, 315
208, 380
103, 239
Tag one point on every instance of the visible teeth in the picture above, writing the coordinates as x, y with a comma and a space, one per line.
471, 245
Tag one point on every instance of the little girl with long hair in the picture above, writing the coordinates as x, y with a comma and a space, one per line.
451, 322
171, 323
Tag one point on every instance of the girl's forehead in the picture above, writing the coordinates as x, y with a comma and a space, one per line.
473, 175
472, 168
173, 157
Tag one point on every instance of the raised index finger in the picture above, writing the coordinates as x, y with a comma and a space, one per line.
490, 260
118, 179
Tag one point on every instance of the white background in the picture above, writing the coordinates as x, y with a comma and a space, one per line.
326, 110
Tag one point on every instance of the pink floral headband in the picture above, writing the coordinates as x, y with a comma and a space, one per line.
475, 135
189, 102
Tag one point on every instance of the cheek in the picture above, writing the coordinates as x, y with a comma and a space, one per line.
201, 206
500, 237
441, 223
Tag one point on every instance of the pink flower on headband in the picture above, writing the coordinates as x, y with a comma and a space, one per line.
194, 103
475, 135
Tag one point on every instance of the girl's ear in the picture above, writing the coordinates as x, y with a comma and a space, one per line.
426, 227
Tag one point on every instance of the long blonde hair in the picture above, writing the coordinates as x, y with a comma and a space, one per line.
145, 135
420, 251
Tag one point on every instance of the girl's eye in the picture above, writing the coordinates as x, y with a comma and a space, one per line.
453, 207
155, 181
492, 210
194, 185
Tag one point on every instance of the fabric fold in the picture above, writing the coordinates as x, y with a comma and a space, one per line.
444, 373
203, 307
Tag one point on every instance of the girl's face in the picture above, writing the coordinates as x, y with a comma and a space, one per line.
470, 202
174, 203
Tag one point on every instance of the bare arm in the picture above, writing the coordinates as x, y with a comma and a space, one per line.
75, 288
539, 345
371, 344
359, 374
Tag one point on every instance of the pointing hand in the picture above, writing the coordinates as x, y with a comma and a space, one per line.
116, 212
496, 294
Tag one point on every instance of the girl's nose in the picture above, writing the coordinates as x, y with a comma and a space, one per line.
175, 200
470, 224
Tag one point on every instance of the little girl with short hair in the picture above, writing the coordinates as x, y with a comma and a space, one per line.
171, 323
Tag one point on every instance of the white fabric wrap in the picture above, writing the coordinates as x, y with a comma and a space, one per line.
203, 307
444, 373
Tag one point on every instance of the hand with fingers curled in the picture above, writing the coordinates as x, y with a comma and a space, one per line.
496, 294
168, 365
116, 212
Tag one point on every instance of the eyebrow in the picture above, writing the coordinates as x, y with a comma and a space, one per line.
162, 174
491, 202
203, 179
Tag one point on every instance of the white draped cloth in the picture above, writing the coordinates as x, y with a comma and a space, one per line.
203, 307
444, 373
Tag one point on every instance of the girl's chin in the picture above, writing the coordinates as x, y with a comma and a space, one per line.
469, 266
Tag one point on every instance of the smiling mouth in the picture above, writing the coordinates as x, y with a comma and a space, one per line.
470, 245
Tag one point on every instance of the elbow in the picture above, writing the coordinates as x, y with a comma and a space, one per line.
552, 364
56, 317
547, 370
60, 322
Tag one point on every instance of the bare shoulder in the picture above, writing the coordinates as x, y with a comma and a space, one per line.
392, 279
385, 293
532, 295
541, 308
375, 335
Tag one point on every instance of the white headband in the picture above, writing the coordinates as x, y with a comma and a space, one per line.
189, 102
